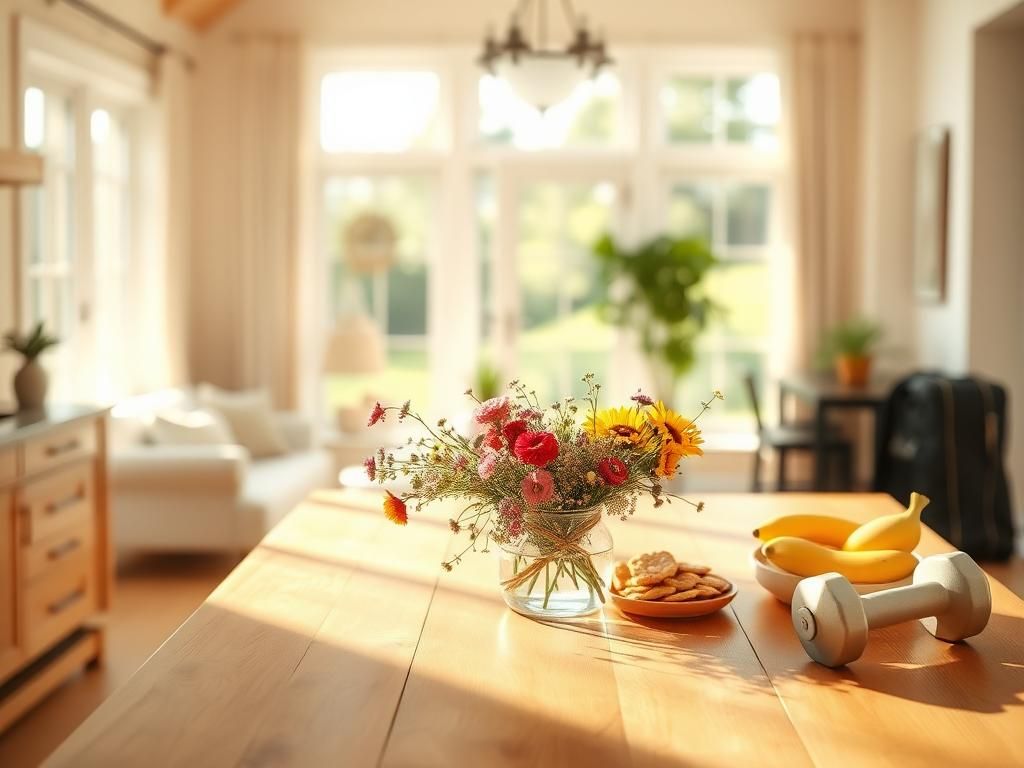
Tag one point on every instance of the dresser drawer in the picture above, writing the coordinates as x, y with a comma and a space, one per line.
57, 603
8, 466
75, 441
50, 554
56, 503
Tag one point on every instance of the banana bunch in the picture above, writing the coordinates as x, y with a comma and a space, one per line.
873, 553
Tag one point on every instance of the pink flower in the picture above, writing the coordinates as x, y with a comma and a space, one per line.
485, 468
460, 462
371, 468
613, 470
641, 399
538, 487
508, 509
377, 414
495, 409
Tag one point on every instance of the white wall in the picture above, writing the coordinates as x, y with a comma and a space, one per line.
147, 17
924, 66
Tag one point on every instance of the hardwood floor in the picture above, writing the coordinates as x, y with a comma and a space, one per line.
154, 595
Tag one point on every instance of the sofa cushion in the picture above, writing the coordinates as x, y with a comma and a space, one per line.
250, 416
275, 486
200, 426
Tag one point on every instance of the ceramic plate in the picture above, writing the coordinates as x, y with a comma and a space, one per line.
782, 583
682, 610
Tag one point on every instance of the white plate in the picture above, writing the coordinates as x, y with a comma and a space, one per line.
782, 583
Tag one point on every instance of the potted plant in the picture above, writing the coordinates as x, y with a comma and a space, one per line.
30, 382
848, 346
657, 291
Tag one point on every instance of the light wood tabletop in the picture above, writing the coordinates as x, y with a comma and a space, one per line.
339, 641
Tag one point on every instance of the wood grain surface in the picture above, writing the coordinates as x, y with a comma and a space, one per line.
339, 641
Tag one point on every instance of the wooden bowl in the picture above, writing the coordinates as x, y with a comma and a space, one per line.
782, 583
682, 610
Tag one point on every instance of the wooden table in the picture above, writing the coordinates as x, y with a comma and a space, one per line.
339, 642
824, 394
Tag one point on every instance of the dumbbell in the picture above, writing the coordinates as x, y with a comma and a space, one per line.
950, 595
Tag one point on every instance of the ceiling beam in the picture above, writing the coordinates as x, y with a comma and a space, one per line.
199, 14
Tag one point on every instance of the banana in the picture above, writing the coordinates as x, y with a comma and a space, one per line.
805, 558
822, 529
899, 531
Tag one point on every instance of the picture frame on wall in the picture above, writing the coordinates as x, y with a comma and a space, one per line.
931, 213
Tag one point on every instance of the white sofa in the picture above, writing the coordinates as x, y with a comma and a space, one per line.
203, 497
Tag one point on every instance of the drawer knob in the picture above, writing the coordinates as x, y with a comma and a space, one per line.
65, 602
66, 447
69, 501
69, 546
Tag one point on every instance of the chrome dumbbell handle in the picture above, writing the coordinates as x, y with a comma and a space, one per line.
914, 601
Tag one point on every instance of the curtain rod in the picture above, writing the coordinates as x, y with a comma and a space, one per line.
128, 32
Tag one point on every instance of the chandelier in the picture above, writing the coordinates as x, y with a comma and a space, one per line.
541, 75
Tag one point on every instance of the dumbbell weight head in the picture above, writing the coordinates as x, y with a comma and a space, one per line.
970, 598
950, 596
829, 619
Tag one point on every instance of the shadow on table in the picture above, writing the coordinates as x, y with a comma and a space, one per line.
984, 674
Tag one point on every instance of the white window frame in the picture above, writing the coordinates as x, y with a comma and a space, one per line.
94, 80
643, 164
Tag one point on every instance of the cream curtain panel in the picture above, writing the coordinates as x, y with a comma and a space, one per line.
248, 182
825, 110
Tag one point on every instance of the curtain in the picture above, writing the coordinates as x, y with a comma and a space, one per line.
825, 112
248, 189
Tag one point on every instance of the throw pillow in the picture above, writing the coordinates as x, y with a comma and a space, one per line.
194, 427
250, 416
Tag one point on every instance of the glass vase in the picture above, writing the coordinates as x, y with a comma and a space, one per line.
559, 566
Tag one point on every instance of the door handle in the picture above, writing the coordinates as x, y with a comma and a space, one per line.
65, 602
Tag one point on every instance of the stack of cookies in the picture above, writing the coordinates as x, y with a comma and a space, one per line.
659, 576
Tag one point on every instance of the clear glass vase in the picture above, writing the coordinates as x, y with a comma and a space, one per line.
559, 567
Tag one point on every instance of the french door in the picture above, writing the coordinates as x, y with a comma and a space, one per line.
544, 327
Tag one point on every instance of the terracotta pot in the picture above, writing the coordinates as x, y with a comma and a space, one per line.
30, 384
853, 371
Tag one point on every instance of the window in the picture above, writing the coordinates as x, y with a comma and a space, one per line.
77, 237
495, 206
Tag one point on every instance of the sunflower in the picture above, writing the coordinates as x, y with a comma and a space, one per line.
680, 437
394, 509
626, 425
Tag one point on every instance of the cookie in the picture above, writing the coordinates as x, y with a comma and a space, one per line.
621, 575
651, 568
713, 581
700, 570
683, 581
706, 591
680, 597
655, 593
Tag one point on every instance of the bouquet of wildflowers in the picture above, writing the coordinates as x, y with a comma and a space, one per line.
528, 465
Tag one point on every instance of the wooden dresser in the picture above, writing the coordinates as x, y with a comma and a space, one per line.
55, 556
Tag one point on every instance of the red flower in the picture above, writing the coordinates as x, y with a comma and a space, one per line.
394, 509
495, 409
613, 471
492, 440
377, 414
537, 448
513, 430
371, 468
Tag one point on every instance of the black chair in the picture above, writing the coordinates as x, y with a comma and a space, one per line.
796, 437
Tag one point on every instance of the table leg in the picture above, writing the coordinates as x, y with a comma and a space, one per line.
820, 459
782, 405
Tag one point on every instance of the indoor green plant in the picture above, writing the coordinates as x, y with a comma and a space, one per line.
848, 346
30, 382
657, 291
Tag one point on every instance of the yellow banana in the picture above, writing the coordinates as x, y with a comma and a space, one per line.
805, 558
823, 529
899, 531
